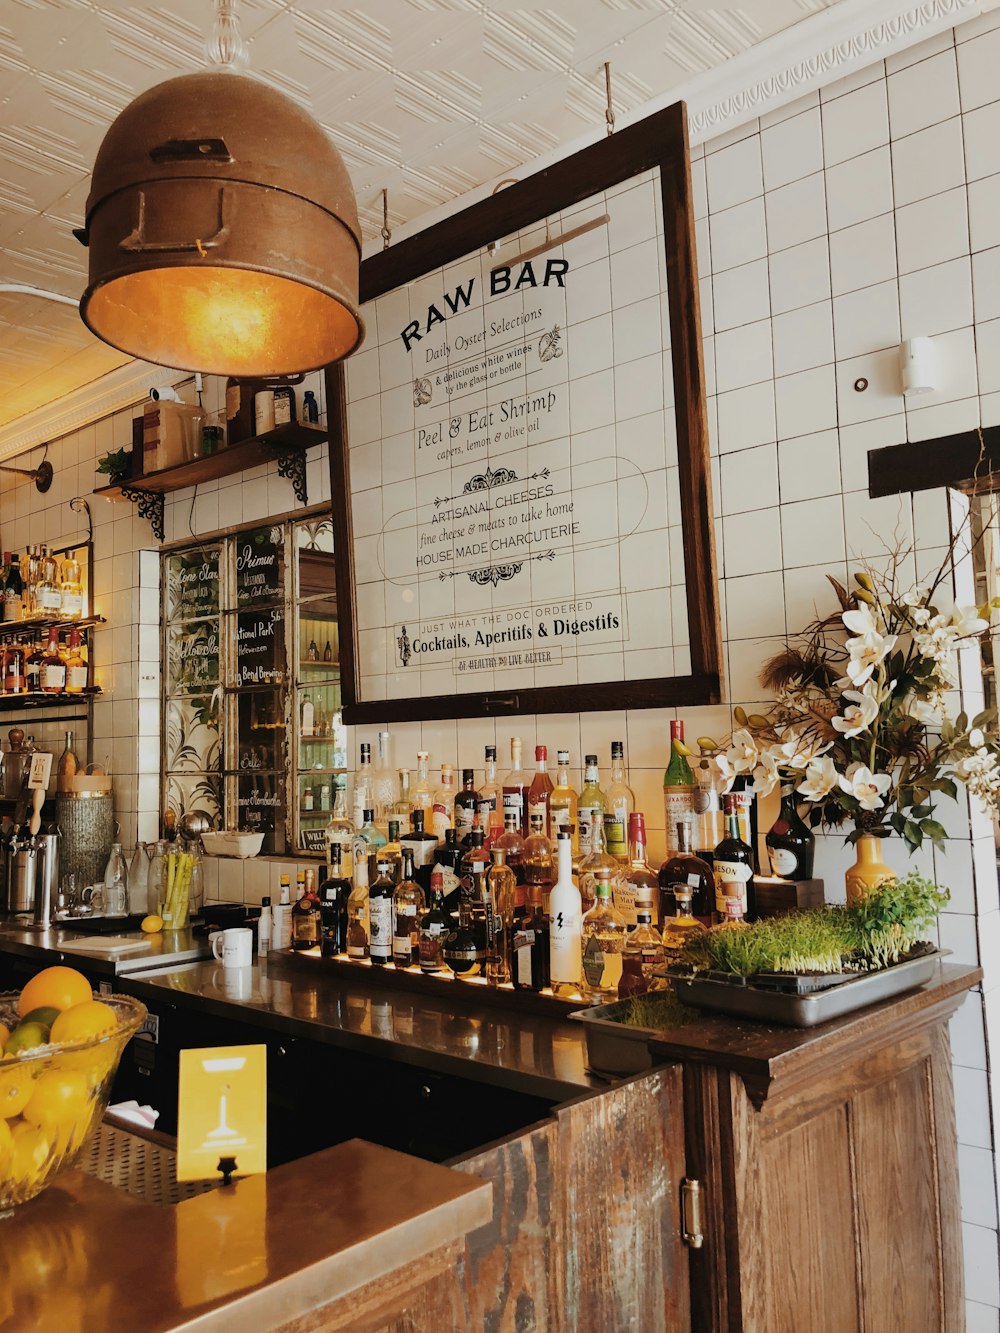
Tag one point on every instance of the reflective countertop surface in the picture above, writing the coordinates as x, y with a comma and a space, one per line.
111, 955
529, 1052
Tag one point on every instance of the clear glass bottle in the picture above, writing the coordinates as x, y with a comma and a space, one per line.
515, 788
380, 897
52, 676
116, 880
443, 809
537, 861
422, 793
371, 836
563, 801
512, 845
645, 941
157, 878
503, 889
565, 911
408, 906
619, 802
363, 787
678, 929
604, 934
590, 807
678, 783
76, 664
357, 912
593, 860
385, 793
340, 831
47, 596
138, 877
540, 791
492, 791
640, 884
281, 915
403, 806
709, 824
70, 588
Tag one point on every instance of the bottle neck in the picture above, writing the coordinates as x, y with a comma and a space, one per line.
564, 851
733, 824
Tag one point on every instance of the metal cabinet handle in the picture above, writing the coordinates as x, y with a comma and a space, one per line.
691, 1232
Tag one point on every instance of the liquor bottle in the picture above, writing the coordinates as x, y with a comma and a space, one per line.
371, 836
328, 652
790, 843
530, 945
434, 929
733, 867
492, 791
460, 949
502, 887
683, 867
743, 795
678, 783
422, 845
476, 891
281, 923
48, 598
29, 580
408, 904
447, 863
14, 677
563, 801
363, 795
604, 933
422, 794
76, 664
590, 807
33, 664
403, 805
443, 810
52, 676
540, 791
380, 916
306, 915
312, 653
593, 860
384, 790
310, 407
392, 851
264, 928
565, 920
70, 588
335, 891
709, 826
619, 802
300, 883
465, 802
515, 788
340, 831
13, 589
307, 724
640, 884
357, 912
68, 764
678, 928
512, 844
481, 821
537, 868
645, 941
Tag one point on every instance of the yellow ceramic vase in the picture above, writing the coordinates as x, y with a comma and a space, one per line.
869, 871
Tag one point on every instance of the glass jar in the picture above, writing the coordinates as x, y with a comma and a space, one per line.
156, 878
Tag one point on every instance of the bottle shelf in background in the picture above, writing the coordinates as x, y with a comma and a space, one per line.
332, 667
9, 629
15, 702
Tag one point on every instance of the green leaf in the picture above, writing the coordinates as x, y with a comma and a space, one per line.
921, 811
948, 787
933, 830
912, 834
962, 722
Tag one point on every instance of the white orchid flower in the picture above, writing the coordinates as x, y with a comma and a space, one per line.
820, 779
765, 775
922, 710
866, 652
860, 621
859, 715
742, 753
915, 598
967, 621
865, 786
797, 750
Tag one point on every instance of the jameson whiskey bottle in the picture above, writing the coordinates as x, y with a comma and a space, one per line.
735, 892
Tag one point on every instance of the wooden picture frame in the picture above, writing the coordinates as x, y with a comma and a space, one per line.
659, 143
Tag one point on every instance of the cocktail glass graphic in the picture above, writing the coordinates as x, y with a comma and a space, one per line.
227, 1065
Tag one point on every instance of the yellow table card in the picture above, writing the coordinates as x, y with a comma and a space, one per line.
222, 1111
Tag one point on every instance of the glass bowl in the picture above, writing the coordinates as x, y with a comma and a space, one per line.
52, 1097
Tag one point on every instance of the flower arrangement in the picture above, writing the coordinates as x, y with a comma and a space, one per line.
859, 728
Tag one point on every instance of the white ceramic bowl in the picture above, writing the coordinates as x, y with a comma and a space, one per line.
232, 844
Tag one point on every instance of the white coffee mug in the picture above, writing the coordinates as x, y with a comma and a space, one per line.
236, 983
234, 948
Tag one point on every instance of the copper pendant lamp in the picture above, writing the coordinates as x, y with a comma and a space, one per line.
223, 232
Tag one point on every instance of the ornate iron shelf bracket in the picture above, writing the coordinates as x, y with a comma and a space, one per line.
150, 506
291, 466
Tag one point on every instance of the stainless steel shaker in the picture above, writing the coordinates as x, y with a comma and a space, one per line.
47, 874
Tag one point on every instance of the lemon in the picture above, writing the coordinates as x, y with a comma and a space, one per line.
152, 925
55, 987
83, 1023
59, 1104
30, 1153
16, 1087
44, 1016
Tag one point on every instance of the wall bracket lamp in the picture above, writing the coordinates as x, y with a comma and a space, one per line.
40, 475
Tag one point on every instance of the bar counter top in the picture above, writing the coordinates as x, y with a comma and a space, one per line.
108, 955
263, 1253
530, 1053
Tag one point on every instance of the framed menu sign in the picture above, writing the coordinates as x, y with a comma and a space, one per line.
523, 440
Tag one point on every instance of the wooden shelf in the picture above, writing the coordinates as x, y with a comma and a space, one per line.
10, 629
285, 444
15, 702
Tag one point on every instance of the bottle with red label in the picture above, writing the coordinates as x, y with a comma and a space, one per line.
52, 676
540, 791
515, 788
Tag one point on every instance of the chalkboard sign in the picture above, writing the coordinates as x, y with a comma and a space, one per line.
260, 646
260, 800
193, 583
260, 566
193, 655
261, 731
312, 840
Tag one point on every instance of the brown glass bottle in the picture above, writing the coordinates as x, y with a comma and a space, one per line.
686, 868
52, 676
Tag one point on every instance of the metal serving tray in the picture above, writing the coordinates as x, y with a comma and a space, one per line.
614, 1047
805, 1011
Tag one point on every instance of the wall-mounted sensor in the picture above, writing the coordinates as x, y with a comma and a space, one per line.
918, 365
165, 395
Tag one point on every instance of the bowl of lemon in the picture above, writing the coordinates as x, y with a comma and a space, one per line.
60, 1049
